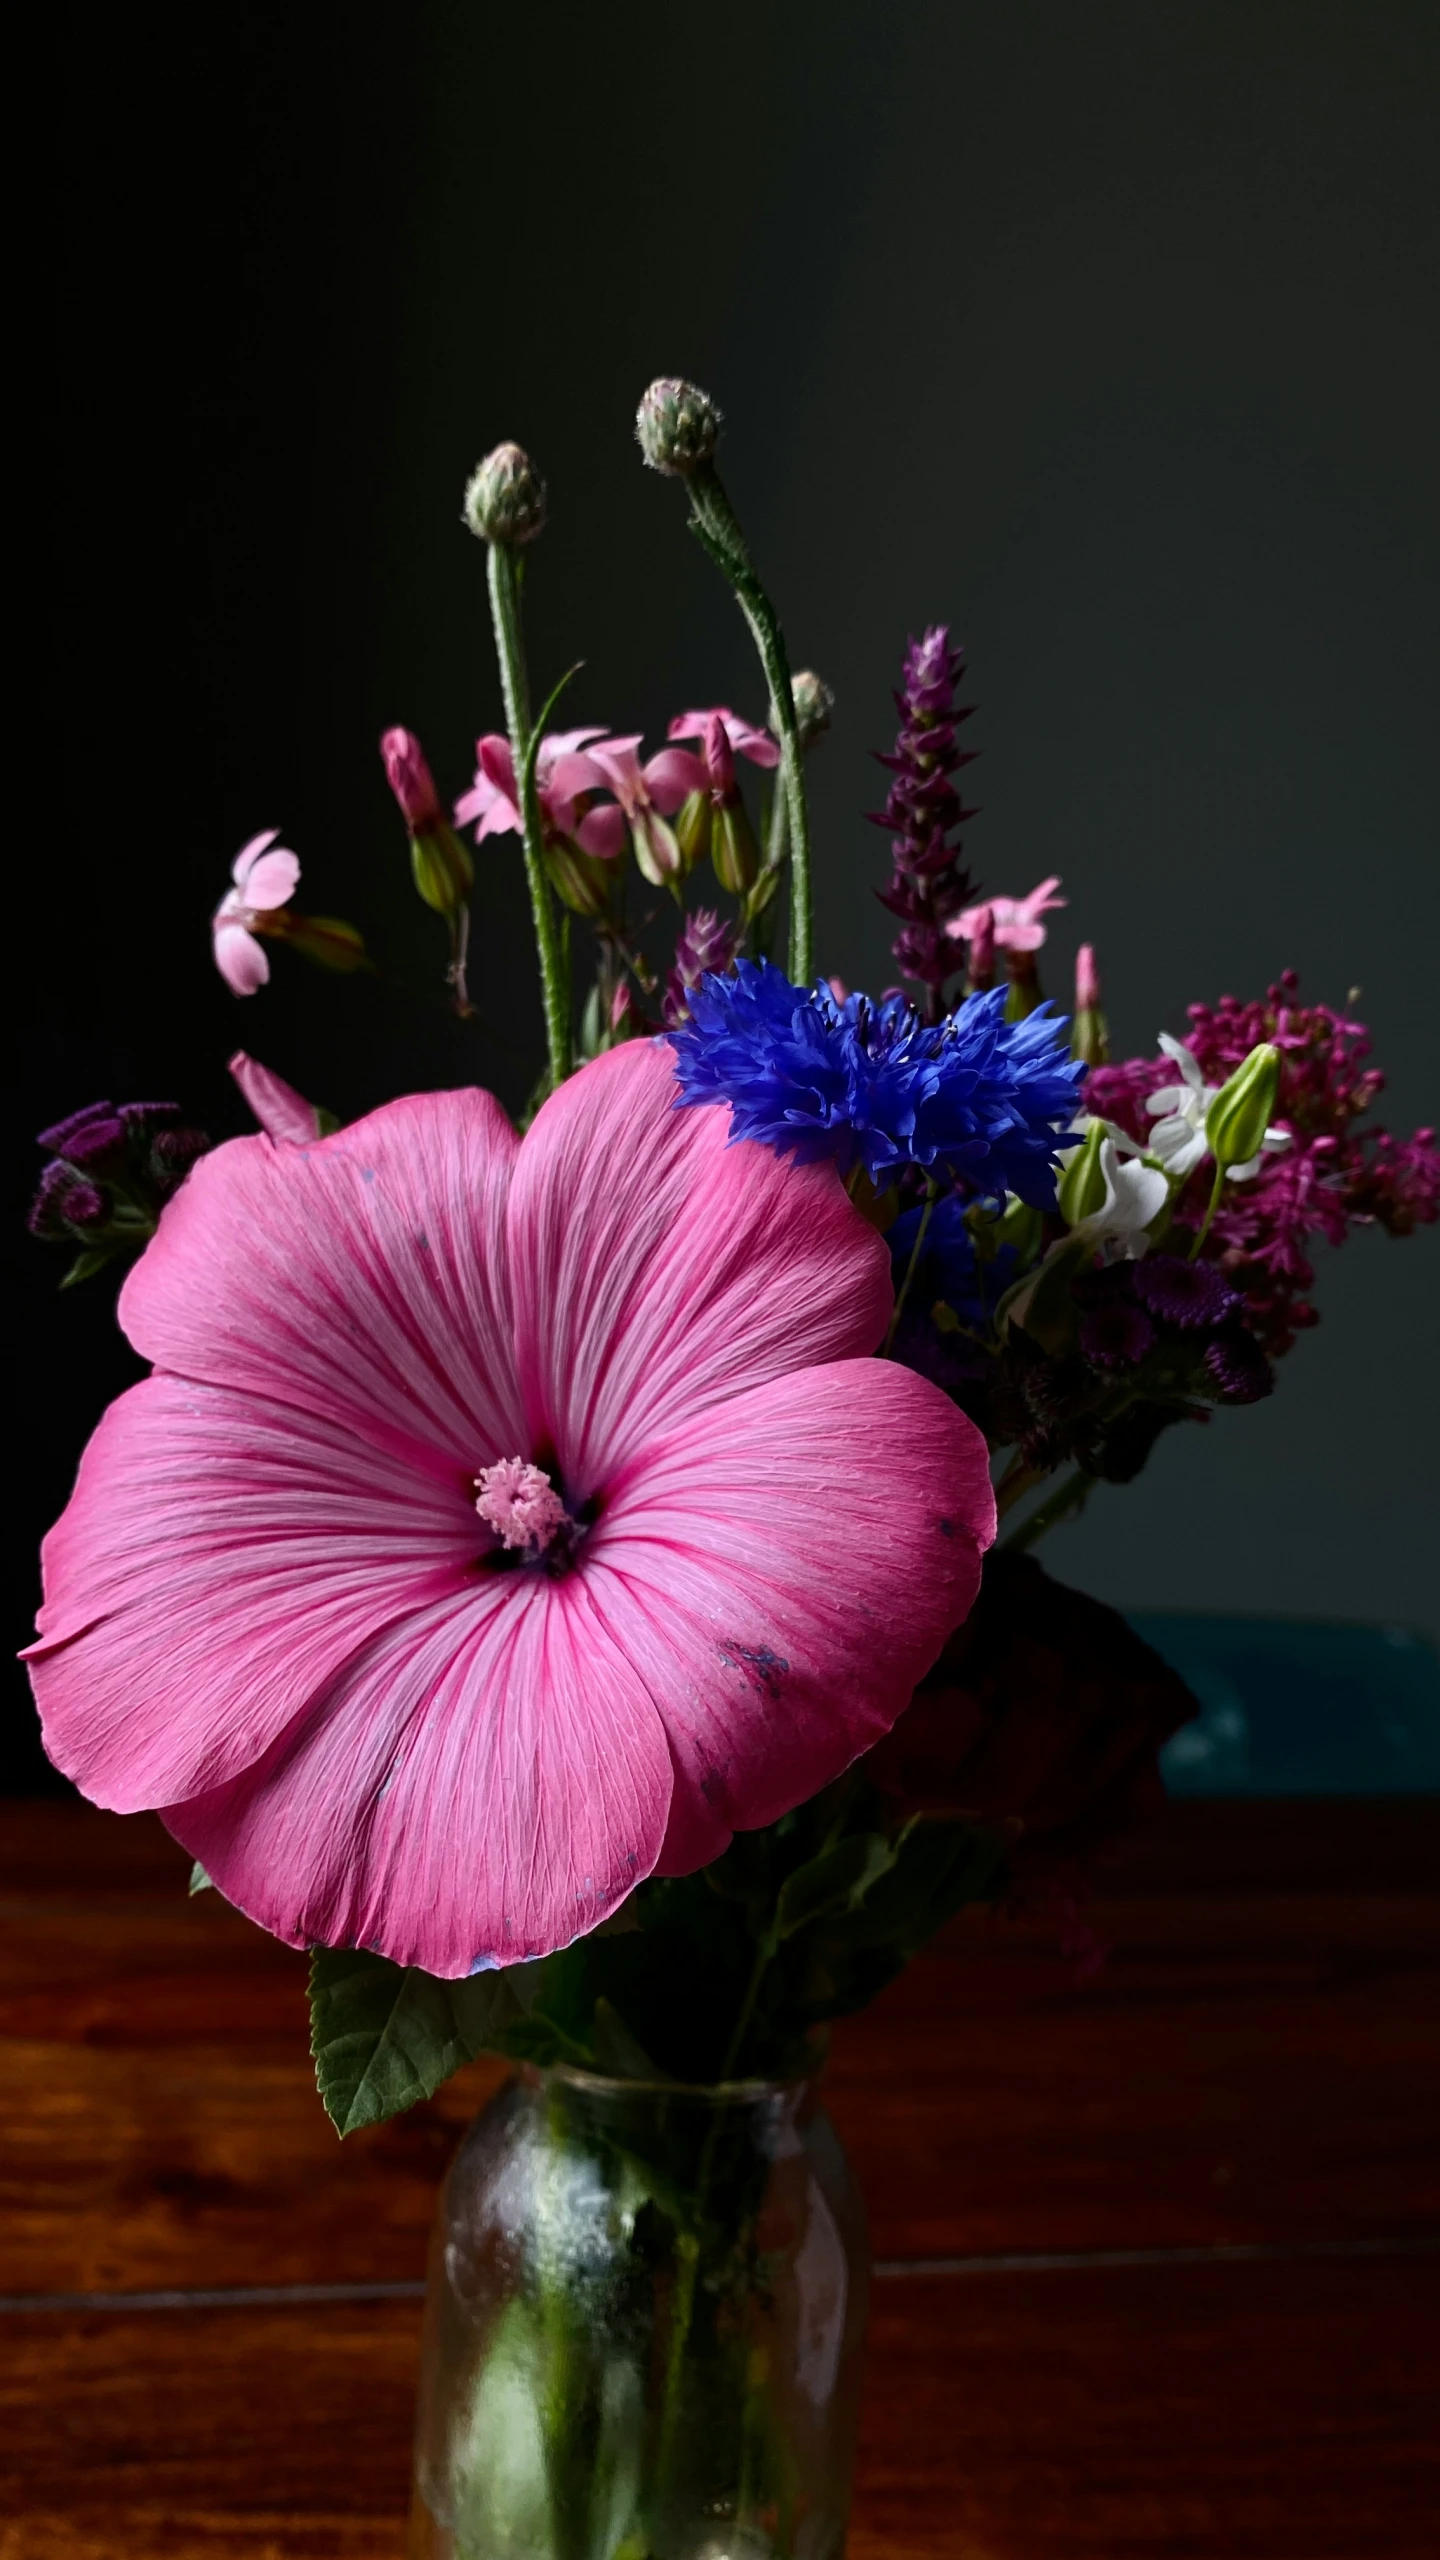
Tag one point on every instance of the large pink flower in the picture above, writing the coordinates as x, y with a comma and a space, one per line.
714, 1548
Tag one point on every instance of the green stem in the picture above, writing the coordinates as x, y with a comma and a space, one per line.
718, 526
1064, 1503
504, 587
932, 1194
1215, 1190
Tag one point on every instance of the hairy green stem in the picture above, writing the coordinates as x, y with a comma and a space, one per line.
1065, 1503
504, 584
1216, 1188
932, 1194
718, 526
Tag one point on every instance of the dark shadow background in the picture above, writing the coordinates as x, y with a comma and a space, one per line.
1105, 332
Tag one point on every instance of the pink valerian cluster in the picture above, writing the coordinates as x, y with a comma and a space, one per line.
929, 886
1332, 1175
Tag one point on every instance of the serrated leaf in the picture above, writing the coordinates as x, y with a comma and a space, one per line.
384, 2035
838, 1880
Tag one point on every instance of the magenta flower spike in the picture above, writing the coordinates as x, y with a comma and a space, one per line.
503, 1521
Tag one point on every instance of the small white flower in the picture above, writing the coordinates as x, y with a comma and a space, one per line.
1135, 1193
1178, 1137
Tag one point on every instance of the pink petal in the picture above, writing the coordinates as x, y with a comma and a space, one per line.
487, 1782
746, 740
563, 742
618, 766
249, 854
497, 765
240, 959
671, 776
281, 1111
360, 1280
570, 774
658, 1270
222, 1558
783, 1571
604, 832
271, 881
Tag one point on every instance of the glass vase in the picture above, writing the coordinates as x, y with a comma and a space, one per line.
643, 2328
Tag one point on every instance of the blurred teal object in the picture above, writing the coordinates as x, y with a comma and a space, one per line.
1295, 1707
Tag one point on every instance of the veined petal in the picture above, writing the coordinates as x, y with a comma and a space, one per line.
657, 1270
484, 1784
359, 1279
243, 963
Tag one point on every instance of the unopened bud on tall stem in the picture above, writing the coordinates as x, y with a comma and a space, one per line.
677, 427
814, 706
505, 497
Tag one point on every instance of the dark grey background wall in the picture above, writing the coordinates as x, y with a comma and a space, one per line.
1105, 332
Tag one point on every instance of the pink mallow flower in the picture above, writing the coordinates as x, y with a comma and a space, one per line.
1015, 921
265, 879
503, 1520
493, 802
743, 737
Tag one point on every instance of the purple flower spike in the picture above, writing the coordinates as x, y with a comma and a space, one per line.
1115, 1336
930, 884
1183, 1293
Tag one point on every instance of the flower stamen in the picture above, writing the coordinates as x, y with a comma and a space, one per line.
519, 1502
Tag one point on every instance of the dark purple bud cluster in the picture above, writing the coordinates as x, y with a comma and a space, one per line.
110, 1175
930, 885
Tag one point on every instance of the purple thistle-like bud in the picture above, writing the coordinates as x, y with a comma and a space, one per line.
56, 1141
173, 1151
1239, 1366
100, 1144
64, 1203
1183, 1293
923, 811
1115, 1336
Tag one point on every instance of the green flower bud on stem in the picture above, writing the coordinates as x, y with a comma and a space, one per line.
734, 853
692, 827
677, 427
1237, 1120
443, 871
1081, 1187
814, 706
505, 497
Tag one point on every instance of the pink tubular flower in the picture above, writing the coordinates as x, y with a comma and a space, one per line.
265, 878
281, 1111
744, 739
1087, 980
493, 801
274, 1611
1016, 921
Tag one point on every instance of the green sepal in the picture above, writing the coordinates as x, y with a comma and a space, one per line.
92, 1259
327, 940
199, 1881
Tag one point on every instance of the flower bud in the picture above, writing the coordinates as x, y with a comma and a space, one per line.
505, 497
692, 827
677, 428
1239, 1116
814, 705
581, 880
1081, 1187
982, 951
658, 856
734, 854
410, 779
1089, 1032
444, 873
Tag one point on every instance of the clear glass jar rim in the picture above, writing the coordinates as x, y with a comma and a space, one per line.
714, 2092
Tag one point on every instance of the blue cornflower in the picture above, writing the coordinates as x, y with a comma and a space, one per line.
974, 1098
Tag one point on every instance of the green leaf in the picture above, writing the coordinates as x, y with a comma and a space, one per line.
385, 2035
86, 1264
838, 1880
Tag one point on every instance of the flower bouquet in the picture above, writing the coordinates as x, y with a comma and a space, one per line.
549, 1571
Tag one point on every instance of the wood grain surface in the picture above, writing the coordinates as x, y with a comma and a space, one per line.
1256, 2075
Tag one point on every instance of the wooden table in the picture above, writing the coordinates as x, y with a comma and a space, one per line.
1156, 2257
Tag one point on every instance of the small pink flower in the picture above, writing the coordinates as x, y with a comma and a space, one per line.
283, 1113
1016, 920
982, 944
493, 801
265, 878
746, 740
645, 797
1087, 980
272, 1612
